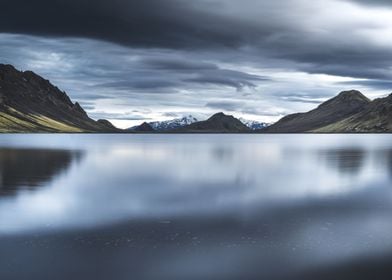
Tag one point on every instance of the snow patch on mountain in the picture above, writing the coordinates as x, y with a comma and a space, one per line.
254, 124
173, 124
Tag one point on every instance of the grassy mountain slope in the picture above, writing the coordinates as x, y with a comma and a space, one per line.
29, 103
344, 105
376, 118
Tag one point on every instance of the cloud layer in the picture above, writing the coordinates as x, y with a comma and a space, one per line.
255, 58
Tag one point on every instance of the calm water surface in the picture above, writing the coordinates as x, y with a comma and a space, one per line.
195, 207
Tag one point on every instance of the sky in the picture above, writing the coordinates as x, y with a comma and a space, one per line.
131, 61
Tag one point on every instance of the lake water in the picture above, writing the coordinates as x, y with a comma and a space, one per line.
195, 207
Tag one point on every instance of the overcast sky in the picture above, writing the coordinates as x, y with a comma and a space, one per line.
139, 60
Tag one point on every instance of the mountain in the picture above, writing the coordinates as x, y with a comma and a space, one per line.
166, 125
144, 127
33, 167
107, 124
376, 118
339, 108
29, 103
173, 124
254, 125
218, 123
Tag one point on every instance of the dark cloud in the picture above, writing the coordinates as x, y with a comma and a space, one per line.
89, 96
373, 2
289, 30
378, 84
178, 55
354, 61
151, 85
157, 75
174, 64
225, 105
230, 78
315, 97
143, 23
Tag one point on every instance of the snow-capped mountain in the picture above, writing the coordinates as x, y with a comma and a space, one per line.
187, 120
254, 124
173, 124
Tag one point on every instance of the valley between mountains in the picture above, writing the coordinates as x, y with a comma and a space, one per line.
31, 104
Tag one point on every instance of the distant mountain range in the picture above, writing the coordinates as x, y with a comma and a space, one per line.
167, 125
29, 103
218, 123
175, 124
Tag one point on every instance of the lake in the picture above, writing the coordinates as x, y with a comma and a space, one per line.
195, 207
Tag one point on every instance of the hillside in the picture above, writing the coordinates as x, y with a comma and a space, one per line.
144, 127
173, 124
29, 103
341, 107
375, 118
218, 123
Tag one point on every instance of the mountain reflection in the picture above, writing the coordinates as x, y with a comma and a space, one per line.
31, 168
219, 207
346, 161
389, 162
222, 153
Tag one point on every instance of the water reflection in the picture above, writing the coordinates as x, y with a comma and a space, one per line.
345, 160
198, 207
222, 153
389, 161
31, 168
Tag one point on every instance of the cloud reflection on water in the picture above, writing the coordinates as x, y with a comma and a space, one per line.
217, 206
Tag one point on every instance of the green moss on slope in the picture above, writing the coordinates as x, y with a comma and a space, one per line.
12, 120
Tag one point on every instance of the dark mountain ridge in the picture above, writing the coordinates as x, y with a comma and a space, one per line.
342, 106
374, 118
218, 123
144, 127
29, 103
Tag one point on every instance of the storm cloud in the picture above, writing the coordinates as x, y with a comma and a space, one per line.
173, 57
143, 23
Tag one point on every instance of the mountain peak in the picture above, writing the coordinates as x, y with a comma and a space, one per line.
375, 117
144, 127
220, 115
352, 94
344, 105
7, 68
188, 117
218, 123
8, 71
172, 124
34, 104
347, 100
